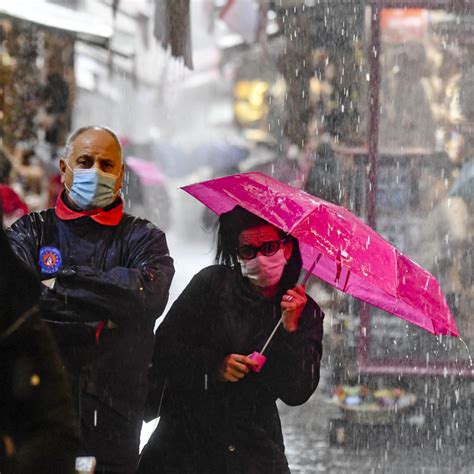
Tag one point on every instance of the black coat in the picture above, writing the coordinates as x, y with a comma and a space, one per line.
208, 426
36, 408
116, 273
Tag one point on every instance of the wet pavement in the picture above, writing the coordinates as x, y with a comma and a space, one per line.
387, 449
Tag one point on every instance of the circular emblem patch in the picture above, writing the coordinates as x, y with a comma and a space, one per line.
49, 260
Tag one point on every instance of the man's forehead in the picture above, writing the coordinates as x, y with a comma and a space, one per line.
97, 141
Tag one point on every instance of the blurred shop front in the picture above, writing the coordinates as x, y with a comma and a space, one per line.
411, 179
370, 104
68, 64
38, 89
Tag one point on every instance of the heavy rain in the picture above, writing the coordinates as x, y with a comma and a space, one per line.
346, 125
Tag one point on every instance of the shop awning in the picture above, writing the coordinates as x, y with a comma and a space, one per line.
83, 25
449, 5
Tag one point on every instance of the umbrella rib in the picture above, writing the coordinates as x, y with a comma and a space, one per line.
300, 220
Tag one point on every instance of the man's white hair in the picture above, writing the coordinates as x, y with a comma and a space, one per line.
72, 138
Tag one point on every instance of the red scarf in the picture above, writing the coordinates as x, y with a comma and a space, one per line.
110, 217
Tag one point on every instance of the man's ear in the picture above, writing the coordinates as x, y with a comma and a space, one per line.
62, 169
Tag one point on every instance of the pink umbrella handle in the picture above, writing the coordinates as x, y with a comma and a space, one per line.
260, 359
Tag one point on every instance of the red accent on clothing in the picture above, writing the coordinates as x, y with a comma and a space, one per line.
11, 202
110, 217
98, 331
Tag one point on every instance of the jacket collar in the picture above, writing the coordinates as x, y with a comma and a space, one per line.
109, 216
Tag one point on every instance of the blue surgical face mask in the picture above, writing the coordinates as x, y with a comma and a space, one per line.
92, 188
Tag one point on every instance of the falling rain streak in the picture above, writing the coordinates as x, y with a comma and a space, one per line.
365, 105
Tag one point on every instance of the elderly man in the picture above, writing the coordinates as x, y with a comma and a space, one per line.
106, 279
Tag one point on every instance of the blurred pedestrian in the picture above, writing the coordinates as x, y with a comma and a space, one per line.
405, 108
13, 206
31, 173
216, 414
38, 430
446, 246
106, 277
323, 177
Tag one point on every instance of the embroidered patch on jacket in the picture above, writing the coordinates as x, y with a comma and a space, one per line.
49, 259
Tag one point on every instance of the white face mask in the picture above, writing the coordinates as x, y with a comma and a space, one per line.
264, 271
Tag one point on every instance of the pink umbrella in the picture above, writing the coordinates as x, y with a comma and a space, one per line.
350, 255
148, 172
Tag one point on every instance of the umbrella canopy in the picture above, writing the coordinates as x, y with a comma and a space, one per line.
148, 172
350, 255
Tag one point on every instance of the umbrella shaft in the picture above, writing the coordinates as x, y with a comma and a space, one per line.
310, 271
272, 334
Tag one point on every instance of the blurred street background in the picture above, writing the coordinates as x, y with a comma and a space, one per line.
366, 104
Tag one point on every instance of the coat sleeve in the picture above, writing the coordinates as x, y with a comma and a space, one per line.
293, 365
24, 239
181, 352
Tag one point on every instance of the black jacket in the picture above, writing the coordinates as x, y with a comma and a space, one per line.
119, 275
208, 426
36, 407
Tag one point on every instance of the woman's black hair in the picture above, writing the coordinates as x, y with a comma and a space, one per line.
232, 223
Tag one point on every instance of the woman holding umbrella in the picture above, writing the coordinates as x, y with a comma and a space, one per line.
217, 413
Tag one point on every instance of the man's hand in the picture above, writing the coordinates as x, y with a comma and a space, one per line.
8, 446
49, 283
292, 304
235, 367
